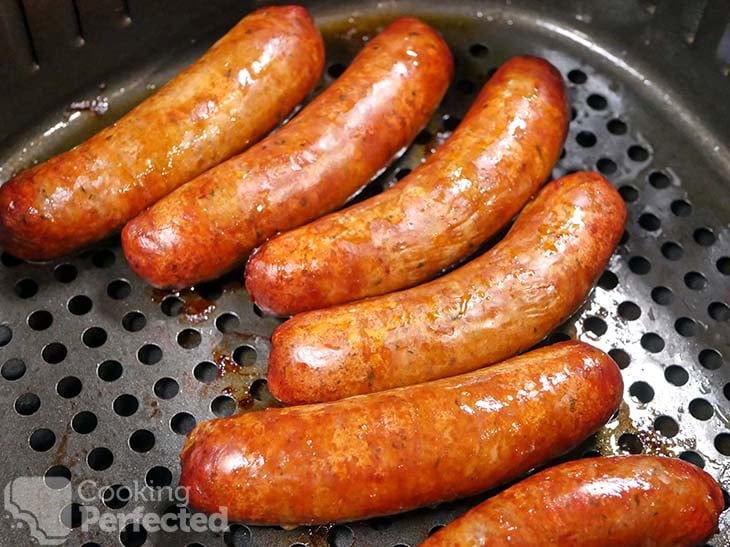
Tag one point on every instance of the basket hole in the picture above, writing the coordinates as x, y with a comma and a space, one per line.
26, 288
166, 388
649, 222
84, 422
6, 335
116, 496
617, 127
100, 458
340, 536
628, 193
624, 238
223, 406
478, 50
9, 260
695, 281
704, 237
622, 358
237, 535
597, 102
119, 289
212, 290
435, 529
667, 426
628, 442
638, 153
94, 337
686, 326
158, 477
335, 70
700, 409
710, 359
27, 404
69, 387
596, 325
39, 320
149, 354
125, 404
586, 139
54, 353
42, 440
80, 304
641, 392
662, 296
57, 477
182, 423
629, 311
676, 375
245, 355
172, 306
577, 76
606, 166
693, 457
652, 342
72, 515
189, 338
608, 280
723, 265
722, 444
205, 372
142, 440
65, 273
13, 369
134, 321
259, 390
639, 265
672, 251
681, 208
227, 322
103, 258
659, 180
110, 371
133, 535
719, 311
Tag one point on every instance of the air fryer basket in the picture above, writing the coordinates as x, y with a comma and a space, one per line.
103, 376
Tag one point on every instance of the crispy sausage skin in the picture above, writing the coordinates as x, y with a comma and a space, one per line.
631, 501
497, 158
396, 450
238, 91
309, 167
494, 307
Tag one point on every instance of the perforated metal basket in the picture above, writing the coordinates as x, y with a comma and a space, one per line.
103, 376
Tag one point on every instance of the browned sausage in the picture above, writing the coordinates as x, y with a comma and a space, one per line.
396, 450
488, 310
311, 166
239, 90
631, 501
471, 187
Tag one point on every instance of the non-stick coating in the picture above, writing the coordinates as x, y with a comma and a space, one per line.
93, 355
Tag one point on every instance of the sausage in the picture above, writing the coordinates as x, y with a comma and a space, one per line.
630, 501
327, 152
470, 188
494, 307
395, 450
239, 90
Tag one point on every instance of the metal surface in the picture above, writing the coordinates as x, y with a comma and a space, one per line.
91, 354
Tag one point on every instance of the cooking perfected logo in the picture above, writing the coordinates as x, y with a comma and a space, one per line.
39, 503
50, 507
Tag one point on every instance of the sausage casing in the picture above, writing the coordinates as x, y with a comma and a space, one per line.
240, 89
396, 450
495, 306
632, 501
334, 146
474, 184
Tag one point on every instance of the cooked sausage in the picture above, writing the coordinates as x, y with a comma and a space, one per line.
239, 90
494, 307
631, 501
309, 167
466, 191
396, 450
